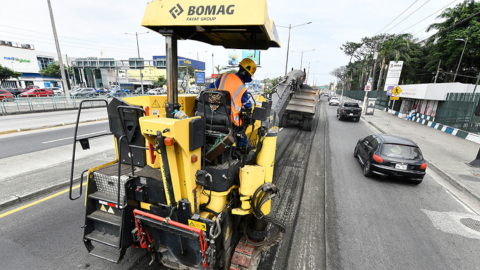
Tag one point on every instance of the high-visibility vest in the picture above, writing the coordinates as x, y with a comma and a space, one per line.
236, 88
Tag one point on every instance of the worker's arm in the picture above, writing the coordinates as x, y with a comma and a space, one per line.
215, 84
247, 104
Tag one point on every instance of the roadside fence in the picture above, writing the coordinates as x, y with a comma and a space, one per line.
46, 104
457, 112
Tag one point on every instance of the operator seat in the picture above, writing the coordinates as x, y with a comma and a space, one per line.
214, 107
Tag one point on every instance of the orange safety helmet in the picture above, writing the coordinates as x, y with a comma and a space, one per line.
249, 65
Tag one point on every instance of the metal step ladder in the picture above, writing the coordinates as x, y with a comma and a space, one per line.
104, 214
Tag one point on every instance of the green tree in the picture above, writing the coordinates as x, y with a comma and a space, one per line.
160, 81
455, 24
53, 70
218, 69
394, 49
6, 73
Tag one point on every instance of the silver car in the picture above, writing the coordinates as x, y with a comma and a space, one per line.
334, 101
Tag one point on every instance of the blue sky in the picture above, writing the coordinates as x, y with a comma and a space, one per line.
97, 28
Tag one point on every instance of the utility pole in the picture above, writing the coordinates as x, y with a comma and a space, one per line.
438, 70
466, 41
60, 60
288, 48
138, 51
288, 44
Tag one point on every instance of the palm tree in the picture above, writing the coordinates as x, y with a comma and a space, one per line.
395, 48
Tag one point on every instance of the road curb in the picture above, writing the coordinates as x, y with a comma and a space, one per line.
459, 185
37, 193
51, 126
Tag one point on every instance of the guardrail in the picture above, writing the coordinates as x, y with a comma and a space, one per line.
45, 104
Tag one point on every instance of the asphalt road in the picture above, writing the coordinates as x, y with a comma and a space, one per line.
336, 218
375, 223
32, 141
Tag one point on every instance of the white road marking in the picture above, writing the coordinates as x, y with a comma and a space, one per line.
69, 138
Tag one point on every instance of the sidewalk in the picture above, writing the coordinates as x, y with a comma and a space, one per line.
445, 153
30, 175
32, 121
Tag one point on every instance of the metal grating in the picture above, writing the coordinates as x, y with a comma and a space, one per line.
471, 223
109, 184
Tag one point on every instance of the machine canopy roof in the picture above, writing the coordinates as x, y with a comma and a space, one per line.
232, 24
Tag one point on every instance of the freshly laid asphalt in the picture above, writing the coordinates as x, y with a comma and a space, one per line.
336, 218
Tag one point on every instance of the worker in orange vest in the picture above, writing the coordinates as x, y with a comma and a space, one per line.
235, 85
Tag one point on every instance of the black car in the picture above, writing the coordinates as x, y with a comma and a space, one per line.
389, 155
349, 110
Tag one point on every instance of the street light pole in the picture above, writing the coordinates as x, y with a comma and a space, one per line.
288, 44
138, 51
301, 61
60, 60
466, 41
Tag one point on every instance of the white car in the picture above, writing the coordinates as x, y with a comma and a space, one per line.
334, 101
156, 91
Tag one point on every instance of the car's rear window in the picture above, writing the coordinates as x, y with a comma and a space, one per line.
353, 105
401, 151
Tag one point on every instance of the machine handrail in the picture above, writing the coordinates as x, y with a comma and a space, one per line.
75, 147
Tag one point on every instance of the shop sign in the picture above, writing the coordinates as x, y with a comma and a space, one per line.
17, 59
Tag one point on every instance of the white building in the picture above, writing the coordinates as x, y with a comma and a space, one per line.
425, 98
25, 59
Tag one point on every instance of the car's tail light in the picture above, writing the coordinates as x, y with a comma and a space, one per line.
424, 166
343, 110
377, 158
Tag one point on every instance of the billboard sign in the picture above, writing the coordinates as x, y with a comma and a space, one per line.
393, 75
252, 54
199, 77
234, 57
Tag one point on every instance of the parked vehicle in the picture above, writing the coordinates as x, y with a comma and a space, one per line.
331, 96
6, 96
349, 110
157, 91
334, 101
389, 155
15, 91
37, 93
56, 90
85, 92
116, 93
32, 87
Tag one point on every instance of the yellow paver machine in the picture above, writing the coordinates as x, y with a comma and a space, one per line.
179, 187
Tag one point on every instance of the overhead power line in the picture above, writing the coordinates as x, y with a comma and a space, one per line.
86, 48
81, 39
409, 15
442, 9
450, 27
397, 16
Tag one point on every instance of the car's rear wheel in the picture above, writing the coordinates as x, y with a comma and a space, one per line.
339, 117
357, 119
367, 170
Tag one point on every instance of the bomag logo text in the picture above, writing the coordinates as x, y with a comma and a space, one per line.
209, 11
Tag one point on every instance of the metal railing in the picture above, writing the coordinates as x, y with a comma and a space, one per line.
45, 104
